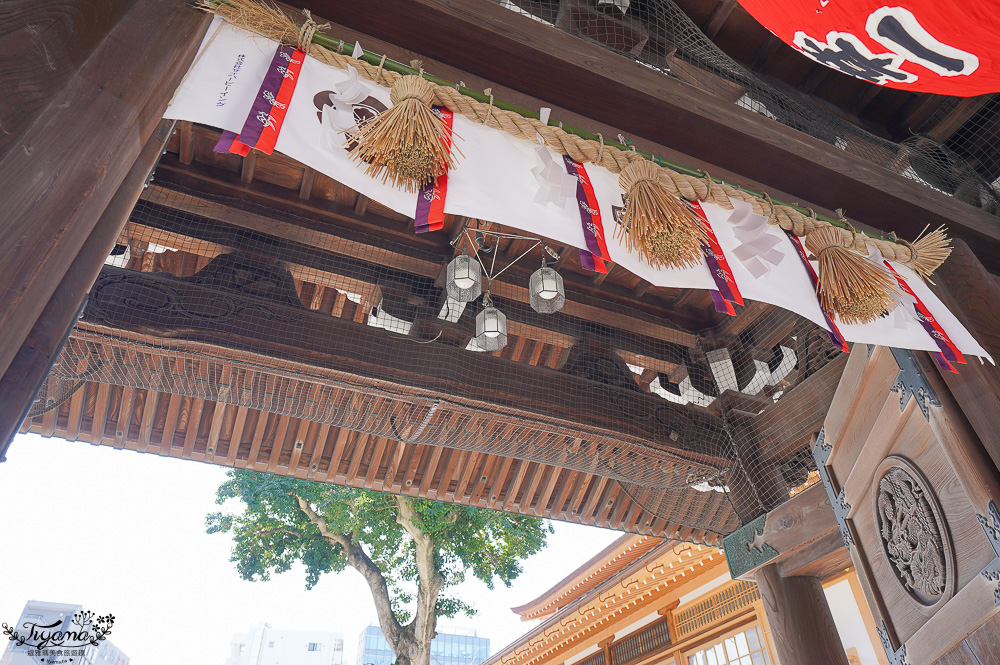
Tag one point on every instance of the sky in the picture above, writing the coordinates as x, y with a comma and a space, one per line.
122, 532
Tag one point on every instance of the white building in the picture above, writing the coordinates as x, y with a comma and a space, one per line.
264, 645
58, 628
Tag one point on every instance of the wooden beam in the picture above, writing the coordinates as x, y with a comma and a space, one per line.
510, 46
800, 413
339, 348
305, 188
249, 165
718, 17
185, 151
863, 98
945, 128
814, 78
803, 534
60, 180
764, 53
348, 234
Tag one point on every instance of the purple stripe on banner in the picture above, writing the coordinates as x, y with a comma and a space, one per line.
718, 274
943, 362
585, 217
587, 260
260, 112
424, 198
225, 141
720, 303
945, 350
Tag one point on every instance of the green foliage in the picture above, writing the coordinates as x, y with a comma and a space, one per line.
272, 533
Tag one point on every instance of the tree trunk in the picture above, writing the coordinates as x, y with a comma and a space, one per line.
411, 643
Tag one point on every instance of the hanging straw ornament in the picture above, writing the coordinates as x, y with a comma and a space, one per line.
656, 224
928, 252
851, 286
407, 144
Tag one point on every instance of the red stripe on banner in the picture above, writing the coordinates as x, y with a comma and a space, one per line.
430, 200
596, 253
930, 323
834, 332
588, 190
721, 272
269, 135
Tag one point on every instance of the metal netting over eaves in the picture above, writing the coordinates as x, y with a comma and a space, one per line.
659, 34
219, 300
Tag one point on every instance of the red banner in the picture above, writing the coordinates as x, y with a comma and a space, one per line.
948, 48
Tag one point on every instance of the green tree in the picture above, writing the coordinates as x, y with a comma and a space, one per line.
409, 551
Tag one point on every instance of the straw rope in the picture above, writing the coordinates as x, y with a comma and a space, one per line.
274, 24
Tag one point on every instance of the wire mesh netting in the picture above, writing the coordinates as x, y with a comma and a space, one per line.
220, 304
658, 34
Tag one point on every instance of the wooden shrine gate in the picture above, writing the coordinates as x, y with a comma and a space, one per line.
908, 497
915, 501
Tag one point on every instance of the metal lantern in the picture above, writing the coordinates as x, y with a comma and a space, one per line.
464, 279
546, 291
491, 327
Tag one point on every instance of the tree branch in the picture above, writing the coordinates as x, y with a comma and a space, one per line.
358, 559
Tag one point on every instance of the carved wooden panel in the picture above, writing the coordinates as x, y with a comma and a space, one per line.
911, 478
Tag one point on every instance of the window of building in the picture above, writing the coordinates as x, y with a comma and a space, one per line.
744, 648
313, 646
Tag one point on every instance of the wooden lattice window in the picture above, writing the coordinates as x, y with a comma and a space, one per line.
596, 659
641, 644
724, 603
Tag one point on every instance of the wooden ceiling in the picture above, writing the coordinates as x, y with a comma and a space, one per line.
188, 395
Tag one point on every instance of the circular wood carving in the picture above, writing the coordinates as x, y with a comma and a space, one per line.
913, 533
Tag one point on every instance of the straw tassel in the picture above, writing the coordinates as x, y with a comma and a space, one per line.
850, 285
407, 144
656, 224
928, 252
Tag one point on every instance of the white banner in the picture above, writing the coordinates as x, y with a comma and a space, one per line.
497, 180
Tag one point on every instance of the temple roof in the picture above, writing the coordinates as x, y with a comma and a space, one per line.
595, 570
632, 578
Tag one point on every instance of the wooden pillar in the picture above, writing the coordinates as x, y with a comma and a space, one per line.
973, 294
34, 359
89, 82
800, 620
606, 646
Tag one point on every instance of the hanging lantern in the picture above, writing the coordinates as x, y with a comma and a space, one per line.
491, 327
464, 278
545, 289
